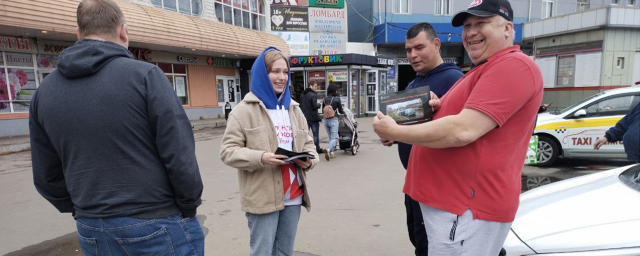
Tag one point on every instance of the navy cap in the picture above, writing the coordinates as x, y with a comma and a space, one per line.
484, 8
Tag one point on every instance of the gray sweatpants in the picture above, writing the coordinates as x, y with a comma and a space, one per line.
450, 234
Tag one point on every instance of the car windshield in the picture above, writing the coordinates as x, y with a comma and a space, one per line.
631, 177
565, 110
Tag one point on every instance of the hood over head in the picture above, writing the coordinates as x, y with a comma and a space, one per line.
88, 56
261, 84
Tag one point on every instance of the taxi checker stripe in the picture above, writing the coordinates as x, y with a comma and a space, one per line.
609, 121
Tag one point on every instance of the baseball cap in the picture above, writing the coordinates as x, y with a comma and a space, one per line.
484, 8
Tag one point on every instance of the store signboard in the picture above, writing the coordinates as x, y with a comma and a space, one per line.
327, 20
188, 60
14, 44
19, 59
289, 18
327, 3
328, 43
52, 47
222, 62
316, 76
298, 41
337, 76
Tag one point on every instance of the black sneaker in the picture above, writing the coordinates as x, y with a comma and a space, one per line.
320, 151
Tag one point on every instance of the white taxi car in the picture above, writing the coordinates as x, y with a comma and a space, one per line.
571, 132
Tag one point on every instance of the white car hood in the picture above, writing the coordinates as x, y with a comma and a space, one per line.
545, 118
590, 212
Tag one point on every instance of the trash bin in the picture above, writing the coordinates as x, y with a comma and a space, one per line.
227, 110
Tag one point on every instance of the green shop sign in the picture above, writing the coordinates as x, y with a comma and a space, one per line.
327, 3
220, 62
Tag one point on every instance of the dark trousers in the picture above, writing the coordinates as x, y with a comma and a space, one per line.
315, 128
415, 226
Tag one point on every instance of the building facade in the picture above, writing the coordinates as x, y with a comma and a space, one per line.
205, 47
385, 23
583, 53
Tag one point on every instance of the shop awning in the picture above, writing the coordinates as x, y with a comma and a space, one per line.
147, 25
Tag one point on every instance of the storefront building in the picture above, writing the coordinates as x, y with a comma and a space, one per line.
201, 58
583, 53
360, 79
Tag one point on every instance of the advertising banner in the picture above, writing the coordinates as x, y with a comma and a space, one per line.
337, 76
289, 18
328, 43
298, 41
327, 20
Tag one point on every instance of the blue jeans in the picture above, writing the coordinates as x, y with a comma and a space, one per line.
130, 236
273, 234
332, 129
315, 128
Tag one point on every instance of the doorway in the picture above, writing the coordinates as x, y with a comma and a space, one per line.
228, 88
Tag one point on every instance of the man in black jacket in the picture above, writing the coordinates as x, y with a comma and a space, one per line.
309, 105
112, 145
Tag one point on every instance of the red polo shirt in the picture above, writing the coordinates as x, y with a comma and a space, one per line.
483, 176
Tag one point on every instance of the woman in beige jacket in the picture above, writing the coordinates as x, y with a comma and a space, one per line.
272, 191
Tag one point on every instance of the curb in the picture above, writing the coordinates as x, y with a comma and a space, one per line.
14, 148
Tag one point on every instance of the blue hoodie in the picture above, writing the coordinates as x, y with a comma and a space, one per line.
627, 130
440, 79
261, 84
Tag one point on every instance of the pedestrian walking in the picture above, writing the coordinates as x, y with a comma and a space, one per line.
465, 165
111, 144
272, 191
331, 107
309, 105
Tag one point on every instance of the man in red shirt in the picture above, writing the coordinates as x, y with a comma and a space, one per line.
481, 130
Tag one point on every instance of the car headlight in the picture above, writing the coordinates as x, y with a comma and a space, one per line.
515, 247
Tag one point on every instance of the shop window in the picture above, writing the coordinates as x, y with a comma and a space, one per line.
620, 63
402, 6
547, 8
443, 7
17, 82
241, 13
177, 76
631, 2
318, 77
615, 2
566, 71
583, 5
189, 7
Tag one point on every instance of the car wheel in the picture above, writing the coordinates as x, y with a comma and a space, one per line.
537, 181
548, 151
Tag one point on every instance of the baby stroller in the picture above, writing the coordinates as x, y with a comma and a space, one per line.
348, 132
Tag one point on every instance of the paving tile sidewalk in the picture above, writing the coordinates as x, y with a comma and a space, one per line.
10, 145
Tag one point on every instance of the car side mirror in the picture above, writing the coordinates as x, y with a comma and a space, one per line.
580, 113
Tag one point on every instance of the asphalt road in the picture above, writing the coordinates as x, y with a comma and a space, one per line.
357, 203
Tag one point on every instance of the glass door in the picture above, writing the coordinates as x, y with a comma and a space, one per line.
371, 92
228, 90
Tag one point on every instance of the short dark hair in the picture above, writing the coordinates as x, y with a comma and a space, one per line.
422, 27
99, 17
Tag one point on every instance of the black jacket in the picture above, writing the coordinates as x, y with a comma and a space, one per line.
109, 138
309, 105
